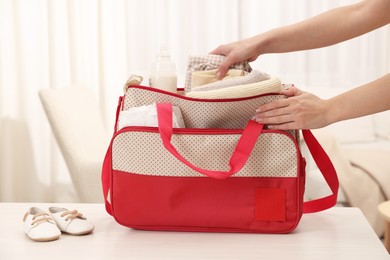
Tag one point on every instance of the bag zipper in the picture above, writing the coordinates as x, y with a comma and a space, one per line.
197, 131
201, 99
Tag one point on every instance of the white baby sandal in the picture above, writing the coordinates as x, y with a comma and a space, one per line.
71, 222
40, 226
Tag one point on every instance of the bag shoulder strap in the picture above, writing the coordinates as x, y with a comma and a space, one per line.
328, 171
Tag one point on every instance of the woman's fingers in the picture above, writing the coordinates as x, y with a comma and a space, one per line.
300, 110
292, 91
278, 112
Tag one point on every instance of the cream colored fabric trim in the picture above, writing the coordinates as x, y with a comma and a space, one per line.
272, 85
200, 78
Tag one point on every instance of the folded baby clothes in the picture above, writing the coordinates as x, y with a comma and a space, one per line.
272, 85
252, 77
147, 116
203, 77
208, 62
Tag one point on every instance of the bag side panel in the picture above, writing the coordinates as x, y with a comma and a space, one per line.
106, 178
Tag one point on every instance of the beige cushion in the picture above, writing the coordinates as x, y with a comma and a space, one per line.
78, 128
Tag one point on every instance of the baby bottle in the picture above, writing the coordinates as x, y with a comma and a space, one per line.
163, 71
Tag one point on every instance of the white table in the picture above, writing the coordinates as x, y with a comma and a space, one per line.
338, 233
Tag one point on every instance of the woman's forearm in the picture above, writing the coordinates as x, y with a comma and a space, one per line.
303, 110
334, 26
368, 99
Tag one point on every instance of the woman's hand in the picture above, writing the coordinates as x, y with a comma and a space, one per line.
235, 52
300, 110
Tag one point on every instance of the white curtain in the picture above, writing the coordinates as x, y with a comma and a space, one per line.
50, 44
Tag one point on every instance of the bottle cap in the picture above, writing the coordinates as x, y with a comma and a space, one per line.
163, 63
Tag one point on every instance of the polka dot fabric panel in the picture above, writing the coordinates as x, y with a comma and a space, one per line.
202, 113
142, 152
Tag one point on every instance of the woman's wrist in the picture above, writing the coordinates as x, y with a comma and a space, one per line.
331, 111
261, 44
272, 41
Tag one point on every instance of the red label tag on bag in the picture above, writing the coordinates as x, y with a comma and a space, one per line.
270, 204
